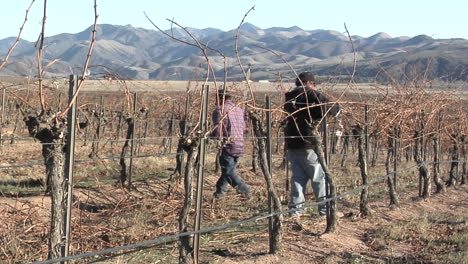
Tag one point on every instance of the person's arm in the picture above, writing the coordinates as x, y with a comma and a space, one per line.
330, 108
333, 109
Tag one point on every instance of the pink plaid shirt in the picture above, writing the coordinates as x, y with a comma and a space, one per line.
230, 126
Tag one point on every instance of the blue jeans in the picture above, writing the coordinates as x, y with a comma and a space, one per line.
305, 166
229, 176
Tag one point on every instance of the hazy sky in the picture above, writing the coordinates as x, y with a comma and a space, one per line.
438, 19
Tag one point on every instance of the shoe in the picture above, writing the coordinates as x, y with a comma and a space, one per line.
297, 223
337, 215
244, 191
246, 195
218, 195
340, 214
297, 212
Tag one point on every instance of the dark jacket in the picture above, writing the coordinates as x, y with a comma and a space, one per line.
301, 106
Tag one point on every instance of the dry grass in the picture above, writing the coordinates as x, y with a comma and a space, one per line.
106, 216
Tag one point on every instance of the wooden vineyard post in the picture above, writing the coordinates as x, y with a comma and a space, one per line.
145, 131
200, 176
171, 135
119, 128
132, 141
326, 157
326, 152
344, 147
366, 131
396, 135
268, 157
454, 170
254, 153
3, 116
70, 162
99, 130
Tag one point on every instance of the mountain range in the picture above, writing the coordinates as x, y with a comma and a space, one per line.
127, 52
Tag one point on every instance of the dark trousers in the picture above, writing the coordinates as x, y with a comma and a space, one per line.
228, 174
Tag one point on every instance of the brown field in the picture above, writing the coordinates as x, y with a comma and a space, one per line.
433, 230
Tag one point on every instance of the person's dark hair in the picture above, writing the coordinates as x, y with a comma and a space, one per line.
304, 77
223, 94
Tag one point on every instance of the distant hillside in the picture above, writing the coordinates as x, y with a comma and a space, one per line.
136, 53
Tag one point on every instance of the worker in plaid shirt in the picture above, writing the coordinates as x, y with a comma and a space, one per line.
229, 123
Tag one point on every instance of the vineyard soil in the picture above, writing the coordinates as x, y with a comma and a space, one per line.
419, 231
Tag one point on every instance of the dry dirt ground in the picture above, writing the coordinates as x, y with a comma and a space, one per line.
356, 239
412, 233
434, 230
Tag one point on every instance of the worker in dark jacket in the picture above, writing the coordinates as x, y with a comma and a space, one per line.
305, 104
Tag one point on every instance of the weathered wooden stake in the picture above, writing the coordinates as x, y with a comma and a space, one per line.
132, 142
395, 157
70, 162
366, 131
200, 177
3, 115
454, 170
273, 246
